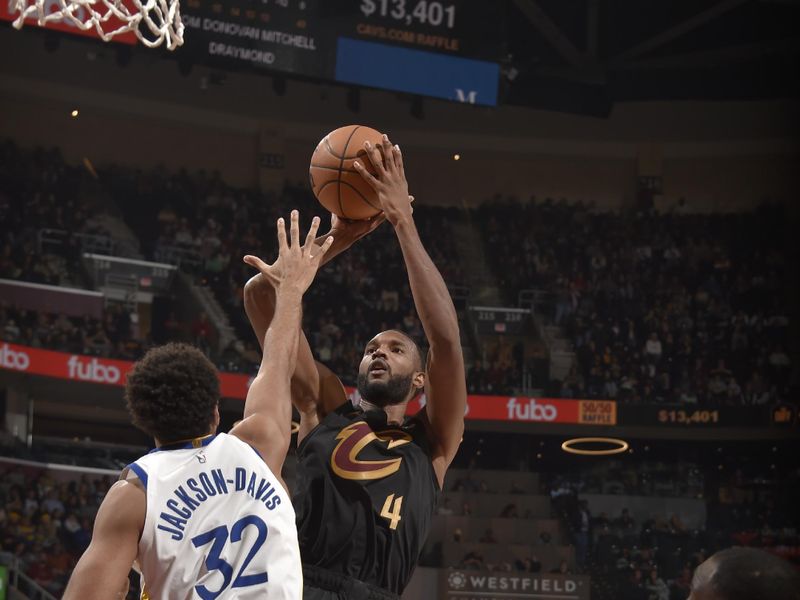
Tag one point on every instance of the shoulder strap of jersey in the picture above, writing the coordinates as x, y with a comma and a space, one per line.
132, 472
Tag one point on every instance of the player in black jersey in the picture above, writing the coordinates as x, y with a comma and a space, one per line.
368, 477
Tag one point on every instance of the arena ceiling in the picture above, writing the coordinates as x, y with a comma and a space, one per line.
584, 55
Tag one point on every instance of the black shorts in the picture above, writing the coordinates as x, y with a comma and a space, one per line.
320, 584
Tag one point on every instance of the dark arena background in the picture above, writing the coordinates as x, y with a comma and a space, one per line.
609, 188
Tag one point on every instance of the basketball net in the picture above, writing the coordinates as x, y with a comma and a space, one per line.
161, 19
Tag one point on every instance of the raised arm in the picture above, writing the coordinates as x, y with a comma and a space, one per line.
316, 390
268, 411
446, 387
102, 571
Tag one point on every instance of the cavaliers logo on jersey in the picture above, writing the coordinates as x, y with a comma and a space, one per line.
353, 439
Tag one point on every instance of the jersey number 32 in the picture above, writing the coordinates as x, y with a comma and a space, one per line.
218, 537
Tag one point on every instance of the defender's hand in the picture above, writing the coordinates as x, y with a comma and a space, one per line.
390, 183
296, 265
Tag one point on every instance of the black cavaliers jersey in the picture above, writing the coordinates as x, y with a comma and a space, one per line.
365, 496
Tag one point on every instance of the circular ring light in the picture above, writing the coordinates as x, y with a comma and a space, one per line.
617, 446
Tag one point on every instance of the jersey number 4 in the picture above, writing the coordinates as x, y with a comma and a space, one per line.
217, 537
391, 510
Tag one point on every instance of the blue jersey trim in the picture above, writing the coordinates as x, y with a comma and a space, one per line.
185, 445
256, 451
140, 473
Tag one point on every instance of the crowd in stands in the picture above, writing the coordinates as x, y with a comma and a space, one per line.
649, 478
658, 308
40, 193
712, 498
46, 520
106, 337
208, 226
651, 556
46, 516
39, 190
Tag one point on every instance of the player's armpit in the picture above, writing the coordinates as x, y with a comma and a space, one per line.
103, 569
446, 393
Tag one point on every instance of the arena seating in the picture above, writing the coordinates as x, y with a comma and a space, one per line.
658, 307
684, 310
46, 519
487, 519
666, 533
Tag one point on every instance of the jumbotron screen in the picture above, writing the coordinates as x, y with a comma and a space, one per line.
446, 49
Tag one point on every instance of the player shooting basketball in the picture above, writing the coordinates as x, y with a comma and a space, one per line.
368, 476
196, 512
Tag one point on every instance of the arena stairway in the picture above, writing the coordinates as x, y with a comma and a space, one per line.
482, 282
109, 217
561, 354
126, 244
205, 297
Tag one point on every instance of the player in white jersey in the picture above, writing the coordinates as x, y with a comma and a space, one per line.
208, 516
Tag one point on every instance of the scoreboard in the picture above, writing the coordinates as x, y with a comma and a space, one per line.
466, 28
447, 49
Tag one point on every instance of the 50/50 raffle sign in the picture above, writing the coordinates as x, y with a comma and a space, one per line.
79, 367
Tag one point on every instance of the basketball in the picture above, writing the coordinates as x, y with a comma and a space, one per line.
336, 183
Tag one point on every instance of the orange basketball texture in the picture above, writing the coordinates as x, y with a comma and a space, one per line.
336, 183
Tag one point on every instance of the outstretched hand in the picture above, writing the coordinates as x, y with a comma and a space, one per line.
390, 182
296, 265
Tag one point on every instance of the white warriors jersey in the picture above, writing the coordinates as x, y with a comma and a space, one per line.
219, 524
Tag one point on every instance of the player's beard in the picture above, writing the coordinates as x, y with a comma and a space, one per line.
385, 393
